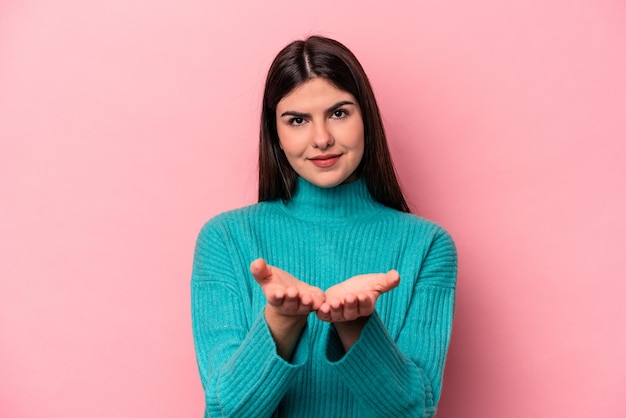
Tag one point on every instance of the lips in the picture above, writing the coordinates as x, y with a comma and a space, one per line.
325, 160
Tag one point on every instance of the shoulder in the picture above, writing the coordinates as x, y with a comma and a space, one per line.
436, 232
438, 238
225, 233
439, 259
237, 217
417, 225
431, 242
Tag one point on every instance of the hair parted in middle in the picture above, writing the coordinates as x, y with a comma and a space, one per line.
295, 64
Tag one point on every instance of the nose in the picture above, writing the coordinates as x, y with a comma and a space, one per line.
322, 137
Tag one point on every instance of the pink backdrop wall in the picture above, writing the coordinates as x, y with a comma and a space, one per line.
127, 124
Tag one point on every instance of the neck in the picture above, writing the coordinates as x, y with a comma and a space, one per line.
343, 202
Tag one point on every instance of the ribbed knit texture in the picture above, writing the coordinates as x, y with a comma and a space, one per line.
322, 237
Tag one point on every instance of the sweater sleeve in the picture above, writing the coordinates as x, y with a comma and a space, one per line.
240, 369
403, 378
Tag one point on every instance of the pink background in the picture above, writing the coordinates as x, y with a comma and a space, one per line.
126, 124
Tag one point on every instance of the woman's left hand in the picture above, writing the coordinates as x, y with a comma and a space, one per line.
356, 297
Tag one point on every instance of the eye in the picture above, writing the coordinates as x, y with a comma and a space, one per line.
296, 121
339, 114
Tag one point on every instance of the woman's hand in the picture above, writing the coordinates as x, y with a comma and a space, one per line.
289, 301
349, 304
285, 294
356, 297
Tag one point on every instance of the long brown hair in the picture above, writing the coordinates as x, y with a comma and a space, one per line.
323, 57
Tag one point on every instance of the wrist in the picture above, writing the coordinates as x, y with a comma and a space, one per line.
358, 323
285, 330
350, 331
282, 323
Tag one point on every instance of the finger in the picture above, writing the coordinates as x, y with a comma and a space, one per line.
336, 310
306, 300
260, 270
292, 300
350, 307
305, 308
393, 279
306, 303
318, 300
323, 313
275, 297
366, 304
388, 281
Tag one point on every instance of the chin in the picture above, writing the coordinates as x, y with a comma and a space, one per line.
328, 182
325, 183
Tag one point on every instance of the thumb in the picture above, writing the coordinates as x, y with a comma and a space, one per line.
260, 270
392, 279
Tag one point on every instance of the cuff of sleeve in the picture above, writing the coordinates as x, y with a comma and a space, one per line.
260, 345
374, 345
258, 364
374, 359
303, 347
334, 348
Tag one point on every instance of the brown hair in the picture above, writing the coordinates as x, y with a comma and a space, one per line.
323, 57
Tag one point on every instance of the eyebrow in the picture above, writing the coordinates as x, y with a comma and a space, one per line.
308, 115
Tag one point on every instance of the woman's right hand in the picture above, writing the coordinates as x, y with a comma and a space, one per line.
289, 301
285, 294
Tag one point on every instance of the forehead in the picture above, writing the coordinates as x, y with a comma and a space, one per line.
313, 93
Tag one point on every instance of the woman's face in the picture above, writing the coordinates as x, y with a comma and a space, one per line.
320, 129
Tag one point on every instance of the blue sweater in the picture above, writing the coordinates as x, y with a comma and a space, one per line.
322, 237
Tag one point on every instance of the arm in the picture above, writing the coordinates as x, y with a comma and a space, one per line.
349, 304
289, 302
240, 367
410, 367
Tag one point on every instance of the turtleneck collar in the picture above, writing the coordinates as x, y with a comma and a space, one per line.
346, 201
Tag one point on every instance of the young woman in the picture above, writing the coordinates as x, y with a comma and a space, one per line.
327, 298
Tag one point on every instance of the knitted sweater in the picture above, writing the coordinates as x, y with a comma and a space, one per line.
322, 237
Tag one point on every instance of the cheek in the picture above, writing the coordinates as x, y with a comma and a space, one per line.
287, 145
279, 133
292, 142
284, 144
356, 131
358, 138
284, 139
360, 152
